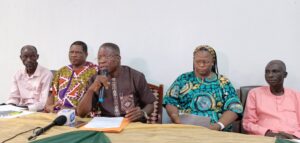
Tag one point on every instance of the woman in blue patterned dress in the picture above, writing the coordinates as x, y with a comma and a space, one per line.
204, 92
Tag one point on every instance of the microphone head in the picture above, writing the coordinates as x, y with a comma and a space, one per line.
60, 120
103, 72
69, 113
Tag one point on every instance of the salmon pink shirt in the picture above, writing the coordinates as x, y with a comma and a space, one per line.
265, 111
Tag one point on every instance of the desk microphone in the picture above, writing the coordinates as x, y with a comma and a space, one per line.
103, 72
60, 120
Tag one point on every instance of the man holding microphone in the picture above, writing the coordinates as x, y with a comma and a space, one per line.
117, 90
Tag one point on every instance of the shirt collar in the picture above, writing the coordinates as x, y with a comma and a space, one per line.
36, 73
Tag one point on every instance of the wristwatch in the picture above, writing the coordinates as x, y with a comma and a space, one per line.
145, 114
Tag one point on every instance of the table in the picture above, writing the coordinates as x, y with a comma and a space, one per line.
134, 132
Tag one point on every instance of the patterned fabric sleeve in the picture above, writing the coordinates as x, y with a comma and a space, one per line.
231, 100
172, 94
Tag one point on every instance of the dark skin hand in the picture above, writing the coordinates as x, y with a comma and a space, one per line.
100, 80
134, 114
289, 136
281, 135
53, 108
85, 105
173, 113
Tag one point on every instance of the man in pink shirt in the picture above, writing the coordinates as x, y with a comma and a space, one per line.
30, 85
273, 110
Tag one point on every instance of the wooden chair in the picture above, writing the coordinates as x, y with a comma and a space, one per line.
156, 115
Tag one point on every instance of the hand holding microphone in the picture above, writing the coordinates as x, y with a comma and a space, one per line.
102, 89
100, 81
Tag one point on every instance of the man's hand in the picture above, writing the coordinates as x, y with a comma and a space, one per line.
99, 81
281, 135
134, 114
53, 108
287, 135
269, 133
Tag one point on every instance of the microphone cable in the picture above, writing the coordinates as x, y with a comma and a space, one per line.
20, 134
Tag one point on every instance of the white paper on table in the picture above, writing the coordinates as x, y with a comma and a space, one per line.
10, 111
105, 122
194, 120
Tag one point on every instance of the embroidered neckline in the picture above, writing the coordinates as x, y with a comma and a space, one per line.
207, 80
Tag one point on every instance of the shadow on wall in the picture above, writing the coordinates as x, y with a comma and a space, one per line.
140, 65
223, 65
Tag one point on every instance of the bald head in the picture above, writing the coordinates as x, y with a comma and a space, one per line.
29, 47
279, 63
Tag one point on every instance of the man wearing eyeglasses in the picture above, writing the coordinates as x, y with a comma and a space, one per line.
30, 85
126, 90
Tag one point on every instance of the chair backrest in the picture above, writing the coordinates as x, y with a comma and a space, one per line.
244, 93
53, 72
156, 115
244, 90
237, 125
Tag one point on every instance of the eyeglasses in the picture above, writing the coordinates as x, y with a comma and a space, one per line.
203, 62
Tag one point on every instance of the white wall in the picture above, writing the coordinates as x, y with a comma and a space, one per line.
156, 37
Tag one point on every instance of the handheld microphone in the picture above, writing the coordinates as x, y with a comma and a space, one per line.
60, 120
103, 72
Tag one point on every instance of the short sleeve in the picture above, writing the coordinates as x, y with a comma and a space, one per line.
231, 99
172, 95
